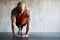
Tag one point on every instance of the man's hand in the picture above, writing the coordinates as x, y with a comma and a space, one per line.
25, 35
16, 35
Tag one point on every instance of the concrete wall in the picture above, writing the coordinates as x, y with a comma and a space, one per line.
45, 15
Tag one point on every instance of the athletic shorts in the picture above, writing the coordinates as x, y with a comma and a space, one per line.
19, 25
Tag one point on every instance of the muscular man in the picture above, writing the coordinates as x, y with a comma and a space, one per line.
20, 16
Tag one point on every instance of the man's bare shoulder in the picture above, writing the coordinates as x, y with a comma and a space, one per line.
13, 12
28, 10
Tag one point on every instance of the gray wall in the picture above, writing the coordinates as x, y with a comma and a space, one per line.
45, 15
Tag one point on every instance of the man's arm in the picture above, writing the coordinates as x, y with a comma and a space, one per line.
13, 21
13, 24
28, 19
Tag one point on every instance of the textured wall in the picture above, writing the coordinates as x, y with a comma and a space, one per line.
45, 15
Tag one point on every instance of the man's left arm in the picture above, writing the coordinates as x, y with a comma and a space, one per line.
28, 19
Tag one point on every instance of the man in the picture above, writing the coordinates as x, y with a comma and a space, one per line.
20, 16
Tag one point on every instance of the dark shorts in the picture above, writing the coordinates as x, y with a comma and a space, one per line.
19, 25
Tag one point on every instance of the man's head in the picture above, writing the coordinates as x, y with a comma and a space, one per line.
19, 6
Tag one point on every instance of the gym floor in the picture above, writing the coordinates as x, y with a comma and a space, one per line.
32, 36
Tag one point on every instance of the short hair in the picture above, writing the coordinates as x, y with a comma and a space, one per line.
19, 3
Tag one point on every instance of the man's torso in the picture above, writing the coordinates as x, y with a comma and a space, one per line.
21, 18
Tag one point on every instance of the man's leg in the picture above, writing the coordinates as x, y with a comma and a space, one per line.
20, 30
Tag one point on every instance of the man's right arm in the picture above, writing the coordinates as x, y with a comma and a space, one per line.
13, 21
13, 24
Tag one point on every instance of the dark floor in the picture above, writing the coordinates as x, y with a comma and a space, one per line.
32, 36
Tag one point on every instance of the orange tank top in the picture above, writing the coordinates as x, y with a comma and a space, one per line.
22, 19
